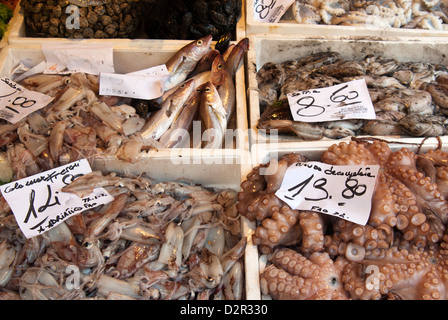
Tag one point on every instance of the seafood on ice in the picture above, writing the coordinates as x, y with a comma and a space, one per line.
155, 241
409, 98
399, 254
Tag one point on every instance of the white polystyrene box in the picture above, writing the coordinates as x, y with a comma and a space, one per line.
133, 57
264, 153
280, 48
287, 25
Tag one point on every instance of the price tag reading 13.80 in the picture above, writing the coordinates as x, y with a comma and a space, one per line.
341, 191
16, 102
349, 100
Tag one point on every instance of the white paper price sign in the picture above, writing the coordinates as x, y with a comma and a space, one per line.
39, 204
270, 11
350, 100
340, 191
16, 102
144, 84
71, 58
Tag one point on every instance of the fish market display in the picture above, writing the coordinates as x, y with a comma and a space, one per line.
155, 240
399, 254
411, 14
181, 19
79, 123
409, 98
80, 19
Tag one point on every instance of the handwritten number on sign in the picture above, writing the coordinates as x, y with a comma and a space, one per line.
311, 109
263, 9
353, 188
342, 98
318, 184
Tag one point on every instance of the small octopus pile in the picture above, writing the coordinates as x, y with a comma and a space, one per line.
411, 14
401, 253
409, 98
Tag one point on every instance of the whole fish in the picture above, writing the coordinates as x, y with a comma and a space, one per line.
226, 89
176, 136
160, 120
185, 59
234, 58
213, 118
215, 74
205, 64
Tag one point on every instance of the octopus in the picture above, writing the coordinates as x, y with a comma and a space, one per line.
409, 98
416, 14
406, 229
397, 271
291, 276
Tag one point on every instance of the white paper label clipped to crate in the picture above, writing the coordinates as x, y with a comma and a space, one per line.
16, 102
38, 203
341, 191
270, 11
144, 84
70, 58
349, 100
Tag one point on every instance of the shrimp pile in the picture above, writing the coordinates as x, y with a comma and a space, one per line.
155, 240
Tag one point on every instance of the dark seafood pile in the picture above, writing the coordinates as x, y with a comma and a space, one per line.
409, 98
399, 254
181, 19
154, 241
80, 19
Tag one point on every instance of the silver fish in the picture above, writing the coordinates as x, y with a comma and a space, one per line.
178, 133
226, 90
185, 59
160, 120
213, 117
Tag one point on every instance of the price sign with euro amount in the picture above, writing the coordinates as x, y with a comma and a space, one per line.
38, 204
16, 102
350, 100
270, 11
341, 191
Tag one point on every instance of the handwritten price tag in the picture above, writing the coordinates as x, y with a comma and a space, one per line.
350, 100
16, 102
341, 191
39, 204
270, 11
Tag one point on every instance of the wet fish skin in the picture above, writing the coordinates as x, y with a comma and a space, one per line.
182, 124
213, 118
160, 121
185, 59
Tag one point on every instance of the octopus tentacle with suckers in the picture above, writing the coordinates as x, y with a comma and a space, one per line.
404, 239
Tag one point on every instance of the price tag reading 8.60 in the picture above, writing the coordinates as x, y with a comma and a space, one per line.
341, 191
16, 102
350, 100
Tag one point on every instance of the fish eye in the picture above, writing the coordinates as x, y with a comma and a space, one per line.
199, 42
